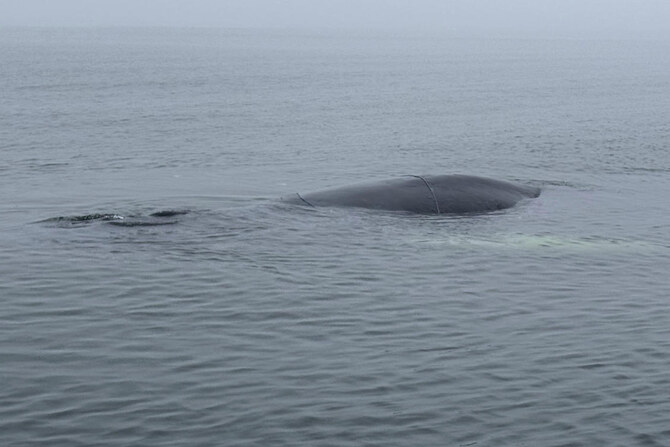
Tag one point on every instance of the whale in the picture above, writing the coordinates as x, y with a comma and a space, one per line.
423, 194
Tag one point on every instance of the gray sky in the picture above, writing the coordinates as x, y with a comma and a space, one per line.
543, 18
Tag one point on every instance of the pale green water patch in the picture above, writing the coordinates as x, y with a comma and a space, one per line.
547, 242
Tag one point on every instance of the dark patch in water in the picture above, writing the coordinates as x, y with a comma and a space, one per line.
169, 213
141, 223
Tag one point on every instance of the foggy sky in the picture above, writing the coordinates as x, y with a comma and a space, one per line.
542, 18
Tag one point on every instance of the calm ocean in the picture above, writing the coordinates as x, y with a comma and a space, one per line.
154, 291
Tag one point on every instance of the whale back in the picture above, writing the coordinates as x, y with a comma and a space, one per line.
438, 194
401, 194
469, 194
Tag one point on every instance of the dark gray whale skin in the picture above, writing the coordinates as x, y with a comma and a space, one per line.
429, 194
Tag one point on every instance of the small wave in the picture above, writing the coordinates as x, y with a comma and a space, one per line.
85, 218
163, 217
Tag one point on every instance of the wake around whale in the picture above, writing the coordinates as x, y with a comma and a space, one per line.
429, 194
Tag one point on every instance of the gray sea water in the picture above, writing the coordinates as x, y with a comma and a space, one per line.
154, 291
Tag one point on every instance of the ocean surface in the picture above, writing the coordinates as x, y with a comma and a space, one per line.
154, 291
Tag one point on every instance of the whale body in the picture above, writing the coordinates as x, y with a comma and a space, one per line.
429, 194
